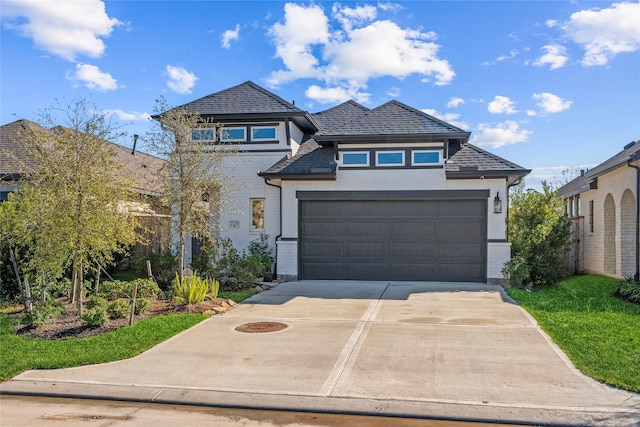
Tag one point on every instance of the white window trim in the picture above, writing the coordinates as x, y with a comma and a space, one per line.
414, 163
253, 128
359, 165
390, 164
226, 139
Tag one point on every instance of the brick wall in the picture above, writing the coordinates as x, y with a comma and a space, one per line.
610, 248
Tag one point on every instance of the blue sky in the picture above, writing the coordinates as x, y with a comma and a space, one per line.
547, 84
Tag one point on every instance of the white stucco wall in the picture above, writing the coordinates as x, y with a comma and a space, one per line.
498, 250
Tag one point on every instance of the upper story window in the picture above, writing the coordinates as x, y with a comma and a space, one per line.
263, 133
390, 158
204, 135
233, 134
355, 159
422, 157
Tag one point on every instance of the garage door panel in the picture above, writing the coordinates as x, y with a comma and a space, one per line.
412, 231
412, 271
463, 252
322, 249
319, 209
419, 251
372, 230
368, 209
462, 208
414, 209
460, 232
322, 229
366, 271
379, 250
323, 270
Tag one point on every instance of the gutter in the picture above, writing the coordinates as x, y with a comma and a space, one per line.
279, 236
634, 157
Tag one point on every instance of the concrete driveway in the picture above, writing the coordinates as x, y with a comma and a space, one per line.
436, 350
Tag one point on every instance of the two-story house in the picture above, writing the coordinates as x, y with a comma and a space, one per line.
388, 193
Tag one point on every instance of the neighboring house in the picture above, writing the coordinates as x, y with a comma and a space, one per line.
389, 193
603, 204
140, 167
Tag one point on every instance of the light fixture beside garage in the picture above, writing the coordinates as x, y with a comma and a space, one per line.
497, 204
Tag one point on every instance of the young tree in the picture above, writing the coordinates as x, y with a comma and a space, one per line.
190, 182
539, 233
73, 200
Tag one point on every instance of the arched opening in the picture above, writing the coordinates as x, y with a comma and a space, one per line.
609, 235
628, 233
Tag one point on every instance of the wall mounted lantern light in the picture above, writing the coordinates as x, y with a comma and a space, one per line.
497, 204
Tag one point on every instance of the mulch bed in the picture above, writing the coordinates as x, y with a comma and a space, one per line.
69, 325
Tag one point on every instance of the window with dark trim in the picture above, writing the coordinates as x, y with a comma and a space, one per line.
360, 158
591, 216
389, 158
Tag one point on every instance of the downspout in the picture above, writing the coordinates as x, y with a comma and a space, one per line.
277, 238
636, 156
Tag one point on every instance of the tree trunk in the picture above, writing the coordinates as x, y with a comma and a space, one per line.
43, 291
15, 269
80, 286
181, 258
72, 293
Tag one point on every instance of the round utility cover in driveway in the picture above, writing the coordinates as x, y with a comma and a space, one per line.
260, 327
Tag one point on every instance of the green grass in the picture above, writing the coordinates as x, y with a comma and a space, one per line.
20, 353
598, 331
237, 296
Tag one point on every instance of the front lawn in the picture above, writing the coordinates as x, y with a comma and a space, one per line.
598, 331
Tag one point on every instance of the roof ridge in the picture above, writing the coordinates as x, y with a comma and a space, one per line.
495, 156
420, 112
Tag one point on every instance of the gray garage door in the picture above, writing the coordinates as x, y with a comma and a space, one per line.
441, 240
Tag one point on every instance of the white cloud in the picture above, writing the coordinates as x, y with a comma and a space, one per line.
310, 48
502, 134
394, 92
501, 105
91, 77
604, 33
348, 17
550, 103
64, 28
335, 95
132, 116
556, 57
180, 80
451, 118
229, 36
455, 102
551, 23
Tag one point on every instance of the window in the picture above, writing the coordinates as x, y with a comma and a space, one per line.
203, 135
263, 133
390, 158
4, 196
419, 158
591, 216
233, 134
355, 159
578, 206
257, 214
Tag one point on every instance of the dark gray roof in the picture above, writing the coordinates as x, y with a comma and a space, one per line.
13, 158
334, 119
245, 98
392, 118
469, 161
630, 152
312, 161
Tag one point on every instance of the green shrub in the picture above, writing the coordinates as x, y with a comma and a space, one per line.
96, 301
59, 288
261, 254
163, 266
118, 309
115, 289
142, 306
43, 313
629, 290
517, 271
96, 316
193, 289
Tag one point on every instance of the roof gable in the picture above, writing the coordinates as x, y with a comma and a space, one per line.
630, 152
393, 118
245, 98
335, 118
469, 161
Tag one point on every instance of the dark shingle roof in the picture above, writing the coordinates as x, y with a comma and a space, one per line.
392, 118
581, 183
470, 161
13, 158
312, 160
245, 98
333, 120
